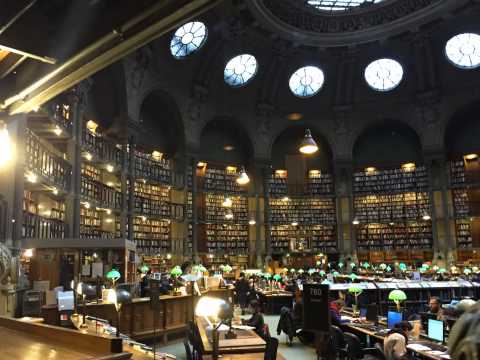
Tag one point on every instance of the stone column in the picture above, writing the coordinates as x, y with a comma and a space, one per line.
195, 223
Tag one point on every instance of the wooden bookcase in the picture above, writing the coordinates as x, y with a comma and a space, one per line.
389, 205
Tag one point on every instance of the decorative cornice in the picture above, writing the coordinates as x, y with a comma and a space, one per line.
303, 24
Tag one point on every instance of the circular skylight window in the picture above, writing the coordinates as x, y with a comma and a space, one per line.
240, 70
463, 50
384, 74
339, 5
188, 38
306, 81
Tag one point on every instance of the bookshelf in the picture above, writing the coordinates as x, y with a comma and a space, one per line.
152, 200
217, 180
152, 236
102, 150
227, 238
317, 238
97, 223
43, 217
316, 183
464, 233
302, 210
390, 181
215, 261
96, 191
391, 207
214, 212
383, 237
42, 160
153, 168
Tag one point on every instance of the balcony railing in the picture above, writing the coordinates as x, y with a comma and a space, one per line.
36, 226
100, 194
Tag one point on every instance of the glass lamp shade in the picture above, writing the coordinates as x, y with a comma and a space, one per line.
441, 270
243, 178
227, 269
326, 282
397, 295
336, 273
277, 277
144, 269
353, 277
308, 145
114, 275
311, 271
227, 202
123, 297
229, 214
292, 270
176, 271
355, 290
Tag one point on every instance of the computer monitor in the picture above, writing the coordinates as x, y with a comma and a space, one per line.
363, 312
393, 318
372, 313
435, 330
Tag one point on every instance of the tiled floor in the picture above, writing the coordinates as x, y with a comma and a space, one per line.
296, 352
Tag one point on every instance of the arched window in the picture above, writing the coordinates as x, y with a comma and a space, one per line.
188, 38
463, 50
240, 70
384, 74
306, 81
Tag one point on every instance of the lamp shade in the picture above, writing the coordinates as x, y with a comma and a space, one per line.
267, 276
227, 269
113, 274
123, 297
202, 268
353, 265
340, 265
388, 268
336, 273
382, 266
397, 295
301, 271
366, 265
209, 306
322, 273
353, 277
325, 282
243, 178
89, 291
308, 145
355, 289
311, 271
292, 270
467, 271
176, 271
277, 277
144, 269
402, 267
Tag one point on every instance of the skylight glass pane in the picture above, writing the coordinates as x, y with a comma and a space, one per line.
384, 74
188, 38
240, 70
306, 81
339, 5
463, 50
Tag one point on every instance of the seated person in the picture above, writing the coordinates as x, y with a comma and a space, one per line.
336, 307
395, 344
256, 320
297, 313
435, 307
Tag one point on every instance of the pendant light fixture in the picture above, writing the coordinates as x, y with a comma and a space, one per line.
229, 214
308, 145
227, 202
243, 178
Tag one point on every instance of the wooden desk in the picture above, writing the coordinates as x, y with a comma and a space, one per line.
253, 356
31, 341
352, 327
138, 318
247, 341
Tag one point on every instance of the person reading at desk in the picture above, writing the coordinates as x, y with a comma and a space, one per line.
336, 307
395, 344
435, 308
256, 320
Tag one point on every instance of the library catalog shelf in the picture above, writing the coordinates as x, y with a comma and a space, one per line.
391, 180
45, 163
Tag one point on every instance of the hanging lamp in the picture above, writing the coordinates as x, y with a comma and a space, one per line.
308, 145
243, 178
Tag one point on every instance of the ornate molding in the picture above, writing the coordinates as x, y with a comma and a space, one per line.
295, 21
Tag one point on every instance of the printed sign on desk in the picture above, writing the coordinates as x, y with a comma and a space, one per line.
316, 313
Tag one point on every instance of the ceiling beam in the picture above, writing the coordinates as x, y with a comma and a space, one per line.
134, 34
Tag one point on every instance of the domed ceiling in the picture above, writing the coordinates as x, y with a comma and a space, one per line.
348, 22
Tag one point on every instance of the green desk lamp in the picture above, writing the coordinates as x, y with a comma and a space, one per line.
113, 275
397, 296
277, 277
144, 269
356, 290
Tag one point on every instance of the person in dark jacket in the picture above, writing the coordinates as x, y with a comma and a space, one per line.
242, 289
256, 320
286, 324
144, 284
335, 309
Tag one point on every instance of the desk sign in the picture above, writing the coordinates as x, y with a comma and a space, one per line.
316, 313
